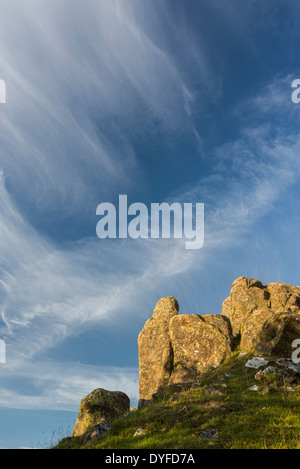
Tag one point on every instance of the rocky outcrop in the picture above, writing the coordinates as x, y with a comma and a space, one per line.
180, 349
177, 351
155, 350
177, 348
99, 409
265, 317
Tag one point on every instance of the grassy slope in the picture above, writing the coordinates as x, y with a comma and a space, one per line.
243, 418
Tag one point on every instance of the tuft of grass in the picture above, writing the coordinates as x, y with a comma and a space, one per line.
56, 437
243, 418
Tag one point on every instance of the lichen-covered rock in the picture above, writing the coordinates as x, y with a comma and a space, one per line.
220, 322
96, 433
155, 350
274, 376
277, 335
100, 407
251, 304
200, 344
246, 296
284, 297
252, 326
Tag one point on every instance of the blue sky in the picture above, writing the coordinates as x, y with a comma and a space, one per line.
162, 100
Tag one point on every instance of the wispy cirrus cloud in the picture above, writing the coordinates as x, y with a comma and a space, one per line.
51, 385
79, 81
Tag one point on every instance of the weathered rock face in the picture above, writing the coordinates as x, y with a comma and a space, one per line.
284, 298
252, 326
155, 350
246, 296
251, 305
100, 407
179, 348
200, 344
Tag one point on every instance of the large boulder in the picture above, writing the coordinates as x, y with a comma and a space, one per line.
100, 407
251, 305
155, 350
200, 344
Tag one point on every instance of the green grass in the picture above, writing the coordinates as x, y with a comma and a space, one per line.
243, 418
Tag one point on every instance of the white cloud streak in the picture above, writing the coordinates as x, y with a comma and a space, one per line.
79, 80
57, 386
